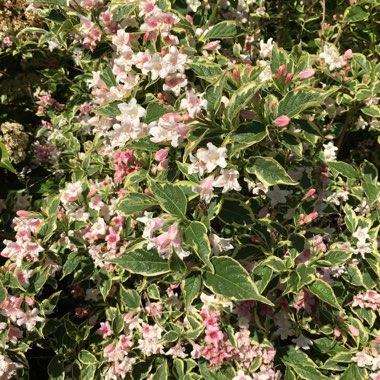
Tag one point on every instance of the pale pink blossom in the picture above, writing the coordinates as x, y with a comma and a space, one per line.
228, 179
205, 189
104, 329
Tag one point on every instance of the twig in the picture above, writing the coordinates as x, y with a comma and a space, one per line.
323, 23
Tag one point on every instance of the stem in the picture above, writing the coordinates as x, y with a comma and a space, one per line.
323, 23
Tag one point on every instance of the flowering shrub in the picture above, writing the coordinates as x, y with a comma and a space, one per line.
199, 198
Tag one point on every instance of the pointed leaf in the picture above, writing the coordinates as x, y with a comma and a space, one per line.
196, 237
270, 172
232, 281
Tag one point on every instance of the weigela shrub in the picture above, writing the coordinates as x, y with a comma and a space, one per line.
207, 198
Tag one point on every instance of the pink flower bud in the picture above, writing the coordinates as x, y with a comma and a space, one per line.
282, 121
281, 71
23, 213
307, 73
161, 155
189, 18
289, 78
309, 193
353, 330
29, 300
263, 212
347, 54
172, 116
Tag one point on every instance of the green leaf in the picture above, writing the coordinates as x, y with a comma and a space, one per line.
247, 135
353, 276
355, 14
269, 172
144, 262
63, 3
162, 372
292, 143
135, 202
205, 69
214, 94
261, 276
324, 292
38, 280
87, 357
224, 29
171, 198
305, 274
73, 260
110, 109
197, 238
235, 212
309, 373
343, 168
275, 263
371, 190
3, 293
350, 219
120, 13
296, 102
232, 281
373, 111
56, 369
130, 297
353, 372
335, 257
105, 283
192, 286
155, 110
108, 77
240, 99
4, 159
177, 266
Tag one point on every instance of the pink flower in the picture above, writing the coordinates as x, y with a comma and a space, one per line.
161, 155
306, 74
282, 121
105, 329
205, 189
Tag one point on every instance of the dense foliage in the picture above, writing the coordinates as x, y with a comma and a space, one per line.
189, 189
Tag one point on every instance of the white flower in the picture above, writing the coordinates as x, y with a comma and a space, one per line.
29, 319
266, 48
212, 157
277, 196
72, 192
361, 123
362, 248
361, 234
302, 342
228, 179
193, 103
193, 5
331, 56
157, 67
240, 376
174, 61
266, 74
329, 152
219, 244
131, 113
362, 359
205, 189
167, 131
